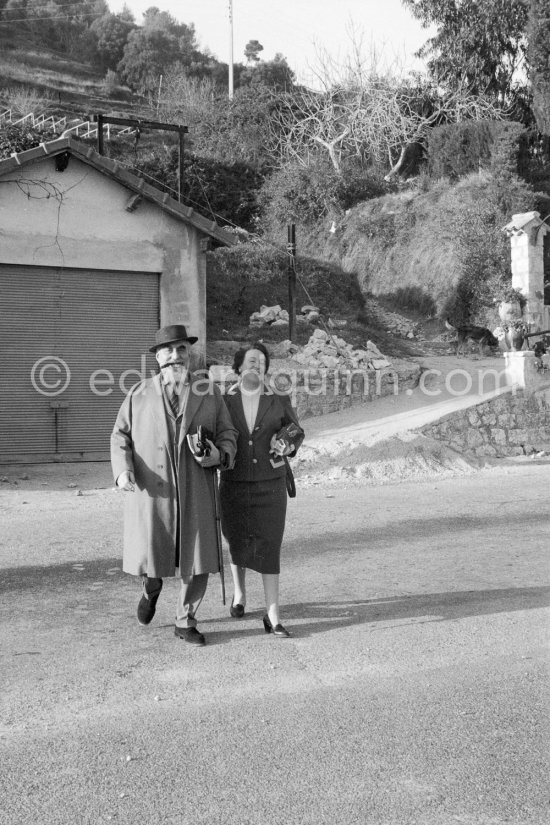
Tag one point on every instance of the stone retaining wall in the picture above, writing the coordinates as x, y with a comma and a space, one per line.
320, 391
512, 424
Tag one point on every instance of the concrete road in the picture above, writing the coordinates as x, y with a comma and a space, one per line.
448, 384
414, 689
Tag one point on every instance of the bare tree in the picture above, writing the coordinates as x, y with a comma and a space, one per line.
361, 110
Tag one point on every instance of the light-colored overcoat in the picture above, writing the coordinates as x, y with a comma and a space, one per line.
173, 493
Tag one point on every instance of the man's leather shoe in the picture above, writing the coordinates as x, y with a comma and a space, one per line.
146, 609
236, 611
190, 634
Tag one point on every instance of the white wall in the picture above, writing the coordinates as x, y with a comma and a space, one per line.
78, 218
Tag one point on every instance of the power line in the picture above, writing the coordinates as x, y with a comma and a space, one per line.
252, 235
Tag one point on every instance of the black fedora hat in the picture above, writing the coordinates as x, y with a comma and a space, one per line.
171, 334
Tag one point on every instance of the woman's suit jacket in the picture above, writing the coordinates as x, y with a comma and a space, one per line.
252, 462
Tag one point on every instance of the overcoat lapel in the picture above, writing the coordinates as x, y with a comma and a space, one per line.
156, 401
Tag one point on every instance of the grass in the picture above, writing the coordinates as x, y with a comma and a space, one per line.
414, 300
70, 84
18, 70
50, 62
404, 247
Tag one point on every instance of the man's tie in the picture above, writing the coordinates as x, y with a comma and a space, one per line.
173, 398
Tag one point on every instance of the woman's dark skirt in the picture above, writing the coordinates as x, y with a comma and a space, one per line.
253, 522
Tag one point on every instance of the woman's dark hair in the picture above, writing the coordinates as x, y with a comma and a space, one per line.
239, 356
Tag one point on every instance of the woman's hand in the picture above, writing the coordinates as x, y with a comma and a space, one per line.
210, 460
279, 446
126, 481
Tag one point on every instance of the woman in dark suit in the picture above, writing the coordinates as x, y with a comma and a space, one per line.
253, 494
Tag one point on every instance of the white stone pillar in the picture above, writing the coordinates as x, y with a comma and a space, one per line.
526, 232
522, 372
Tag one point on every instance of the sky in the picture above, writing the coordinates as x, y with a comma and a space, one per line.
298, 29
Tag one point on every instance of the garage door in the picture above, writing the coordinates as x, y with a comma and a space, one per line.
73, 341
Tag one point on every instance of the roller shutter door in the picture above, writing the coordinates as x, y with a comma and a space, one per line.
72, 342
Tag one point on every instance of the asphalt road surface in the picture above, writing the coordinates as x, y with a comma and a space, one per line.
414, 688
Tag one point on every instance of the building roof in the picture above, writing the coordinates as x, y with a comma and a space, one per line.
118, 172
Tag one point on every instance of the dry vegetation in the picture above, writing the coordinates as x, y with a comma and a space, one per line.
30, 79
405, 247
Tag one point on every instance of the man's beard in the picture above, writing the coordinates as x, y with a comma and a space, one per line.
174, 372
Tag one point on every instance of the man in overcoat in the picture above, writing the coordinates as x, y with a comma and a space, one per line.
170, 508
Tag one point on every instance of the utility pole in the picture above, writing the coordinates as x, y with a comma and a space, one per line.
291, 249
230, 49
158, 97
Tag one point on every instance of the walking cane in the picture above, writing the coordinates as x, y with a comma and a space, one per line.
218, 530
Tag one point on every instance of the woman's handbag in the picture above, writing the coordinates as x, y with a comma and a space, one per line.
288, 434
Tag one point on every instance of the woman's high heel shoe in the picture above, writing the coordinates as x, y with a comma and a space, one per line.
236, 610
277, 630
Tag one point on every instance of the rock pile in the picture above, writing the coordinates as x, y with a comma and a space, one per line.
275, 316
332, 352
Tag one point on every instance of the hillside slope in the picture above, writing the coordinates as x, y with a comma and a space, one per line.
409, 246
44, 80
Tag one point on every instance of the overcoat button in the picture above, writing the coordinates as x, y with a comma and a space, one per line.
254, 461
250, 443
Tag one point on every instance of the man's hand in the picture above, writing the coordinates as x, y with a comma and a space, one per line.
211, 460
126, 481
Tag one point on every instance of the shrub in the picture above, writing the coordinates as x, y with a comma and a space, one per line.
457, 149
299, 193
226, 191
306, 194
19, 138
26, 100
414, 298
535, 162
230, 191
482, 248
356, 185
243, 277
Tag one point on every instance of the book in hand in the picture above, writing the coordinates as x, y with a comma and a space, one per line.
198, 442
286, 435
